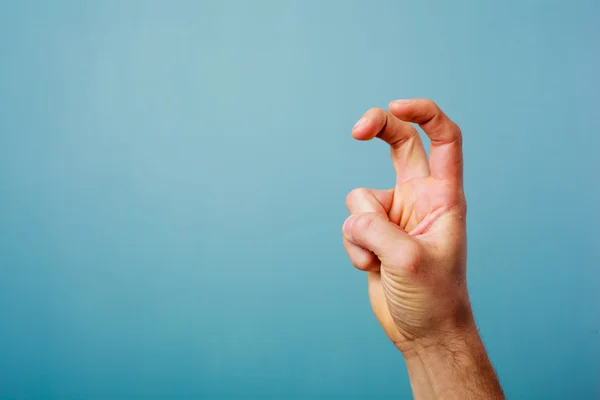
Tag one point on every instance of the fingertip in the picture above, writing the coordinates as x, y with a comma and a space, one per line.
347, 228
370, 124
360, 131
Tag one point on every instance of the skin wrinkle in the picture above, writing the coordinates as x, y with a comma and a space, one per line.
426, 223
398, 141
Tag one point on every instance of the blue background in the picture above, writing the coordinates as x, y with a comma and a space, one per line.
173, 178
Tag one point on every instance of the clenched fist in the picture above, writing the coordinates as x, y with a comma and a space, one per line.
411, 241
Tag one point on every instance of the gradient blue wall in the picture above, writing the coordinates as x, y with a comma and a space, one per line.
173, 177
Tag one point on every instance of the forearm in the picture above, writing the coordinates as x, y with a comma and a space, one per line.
419, 379
455, 366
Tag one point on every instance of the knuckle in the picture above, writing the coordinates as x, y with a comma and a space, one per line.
409, 258
430, 115
414, 257
430, 104
360, 258
365, 262
363, 225
354, 196
456, 132
375, 111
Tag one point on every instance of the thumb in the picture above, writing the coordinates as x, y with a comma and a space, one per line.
376, 233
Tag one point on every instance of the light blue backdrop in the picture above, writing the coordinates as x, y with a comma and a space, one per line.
173, 177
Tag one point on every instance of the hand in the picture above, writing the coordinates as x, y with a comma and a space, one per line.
412, 239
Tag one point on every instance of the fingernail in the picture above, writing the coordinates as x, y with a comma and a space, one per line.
361, 122
348, 226
402, 101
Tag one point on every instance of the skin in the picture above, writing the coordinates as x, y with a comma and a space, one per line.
411, 242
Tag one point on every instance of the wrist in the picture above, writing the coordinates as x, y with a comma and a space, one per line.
456, 364
449, 333
457, 339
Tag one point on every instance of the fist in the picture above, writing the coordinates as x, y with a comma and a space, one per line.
411, 239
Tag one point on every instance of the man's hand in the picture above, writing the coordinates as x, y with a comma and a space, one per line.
411, 241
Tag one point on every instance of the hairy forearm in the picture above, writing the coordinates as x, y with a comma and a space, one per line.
455, 366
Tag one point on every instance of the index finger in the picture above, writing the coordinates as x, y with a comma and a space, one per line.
445, 158
408, 155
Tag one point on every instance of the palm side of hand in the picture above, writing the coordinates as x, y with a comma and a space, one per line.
428, 205
425, 208
419, 202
